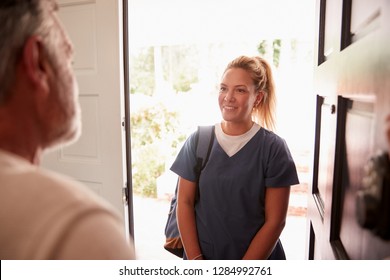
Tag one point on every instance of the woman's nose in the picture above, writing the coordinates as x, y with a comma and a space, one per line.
229, 96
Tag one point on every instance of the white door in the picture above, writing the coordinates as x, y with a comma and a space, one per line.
97, 159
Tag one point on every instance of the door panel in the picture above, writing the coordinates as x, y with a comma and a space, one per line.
353, 82
364, 17
97, 159
359, 128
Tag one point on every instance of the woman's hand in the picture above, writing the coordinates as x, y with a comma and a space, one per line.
276, 206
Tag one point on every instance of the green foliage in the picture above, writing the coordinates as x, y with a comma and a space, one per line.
276, 45
142, 72
263, 50
154, 139
183, 82
180, 66
262, 47
154, 135
147, 166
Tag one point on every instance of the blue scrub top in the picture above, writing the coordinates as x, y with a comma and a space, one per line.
230, 208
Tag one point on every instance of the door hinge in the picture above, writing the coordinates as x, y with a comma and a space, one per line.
123, 124
125, 195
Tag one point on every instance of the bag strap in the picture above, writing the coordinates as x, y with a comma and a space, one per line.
203, 147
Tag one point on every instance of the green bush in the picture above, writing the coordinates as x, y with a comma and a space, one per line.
154, 139
146, 168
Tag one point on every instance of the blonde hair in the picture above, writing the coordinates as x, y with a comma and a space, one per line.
261, 74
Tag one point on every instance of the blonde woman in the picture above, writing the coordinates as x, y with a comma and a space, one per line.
240, 209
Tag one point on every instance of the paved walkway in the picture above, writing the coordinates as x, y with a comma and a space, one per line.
150, 217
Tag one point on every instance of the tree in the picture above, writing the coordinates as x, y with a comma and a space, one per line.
263, 49
142, 72
181, 66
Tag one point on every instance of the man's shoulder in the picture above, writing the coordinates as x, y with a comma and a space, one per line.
39, 188
39, 206
67, 191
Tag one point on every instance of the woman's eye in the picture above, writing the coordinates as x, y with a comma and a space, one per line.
241, 90
222, 89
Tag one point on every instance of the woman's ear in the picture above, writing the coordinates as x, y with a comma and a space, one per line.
259, 98
36, 63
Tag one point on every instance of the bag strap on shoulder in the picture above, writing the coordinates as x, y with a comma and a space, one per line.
203, 148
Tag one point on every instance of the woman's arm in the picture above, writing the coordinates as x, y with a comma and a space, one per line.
276, 205
186, 218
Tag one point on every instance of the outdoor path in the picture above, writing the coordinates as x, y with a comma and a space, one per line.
150, 217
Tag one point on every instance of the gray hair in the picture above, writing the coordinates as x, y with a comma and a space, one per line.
19, 19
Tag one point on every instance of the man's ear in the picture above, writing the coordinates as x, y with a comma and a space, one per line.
36, 63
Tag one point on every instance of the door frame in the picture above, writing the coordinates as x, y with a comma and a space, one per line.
128, 191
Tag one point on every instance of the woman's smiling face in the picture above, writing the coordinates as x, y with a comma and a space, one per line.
237, 96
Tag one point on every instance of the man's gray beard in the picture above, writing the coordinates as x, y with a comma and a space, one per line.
70, 136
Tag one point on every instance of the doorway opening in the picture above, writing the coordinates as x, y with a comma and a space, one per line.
177, 52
